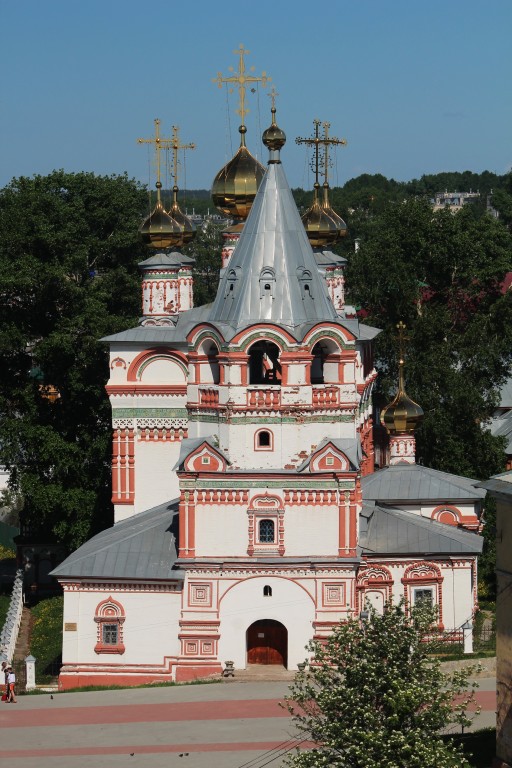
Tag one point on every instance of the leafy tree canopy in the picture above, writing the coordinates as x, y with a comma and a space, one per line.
69, 249
373, 696
441, 274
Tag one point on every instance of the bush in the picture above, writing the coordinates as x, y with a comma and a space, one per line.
46, 641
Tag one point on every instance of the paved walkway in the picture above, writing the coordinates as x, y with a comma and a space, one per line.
222, 725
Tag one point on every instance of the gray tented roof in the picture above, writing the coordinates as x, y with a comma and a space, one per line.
406, 482
273, 250
141, 547
387, 531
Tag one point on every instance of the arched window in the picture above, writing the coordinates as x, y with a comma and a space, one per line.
267, 282
266, 531
110, 618
267, 591
263, 440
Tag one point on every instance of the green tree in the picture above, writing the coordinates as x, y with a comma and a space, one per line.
441, 274
206, 249
373, 696
69, 250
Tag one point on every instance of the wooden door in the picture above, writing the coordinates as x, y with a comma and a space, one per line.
267, 643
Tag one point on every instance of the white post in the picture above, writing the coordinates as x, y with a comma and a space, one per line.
30, 663
467, 630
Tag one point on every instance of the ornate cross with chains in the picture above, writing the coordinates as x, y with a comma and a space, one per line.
240, 79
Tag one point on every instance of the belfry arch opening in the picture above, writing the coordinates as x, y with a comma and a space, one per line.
267, 643
209, 362
264, 365
324, 366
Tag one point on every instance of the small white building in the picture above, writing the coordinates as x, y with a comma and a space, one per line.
249, 517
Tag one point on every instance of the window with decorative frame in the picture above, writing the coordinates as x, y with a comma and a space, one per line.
265, 518
109, 617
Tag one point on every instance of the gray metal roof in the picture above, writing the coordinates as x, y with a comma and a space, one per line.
142, 547
328, 258
357, 329
407, 482
502, 427
164, 334
506, 394
273, 250
384, 530
499, 485
174, 259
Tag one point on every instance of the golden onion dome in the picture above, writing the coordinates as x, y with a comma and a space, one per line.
160, 230
273, 137
340, 224
320, 227
402, 415
235, 186
187, 229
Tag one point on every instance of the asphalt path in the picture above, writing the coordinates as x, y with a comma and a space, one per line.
221, 725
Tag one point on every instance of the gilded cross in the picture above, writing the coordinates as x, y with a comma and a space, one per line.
316, 141
175, 145
240, 79
328, 141
160, 143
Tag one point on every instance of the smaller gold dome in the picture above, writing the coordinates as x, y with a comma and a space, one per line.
340, 224
273, 137
320, 227
402, 415
187, 229
235, 186
160, 230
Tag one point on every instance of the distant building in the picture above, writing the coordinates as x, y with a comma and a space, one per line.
501, 423
500, 486
454, 200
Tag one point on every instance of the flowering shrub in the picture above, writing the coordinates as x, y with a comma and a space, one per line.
372, 696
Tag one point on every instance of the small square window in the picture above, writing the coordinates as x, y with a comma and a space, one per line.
205, 460
329, 461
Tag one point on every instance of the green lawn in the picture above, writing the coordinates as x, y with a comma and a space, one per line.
46, 642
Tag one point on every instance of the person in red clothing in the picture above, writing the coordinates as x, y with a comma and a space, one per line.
11, 682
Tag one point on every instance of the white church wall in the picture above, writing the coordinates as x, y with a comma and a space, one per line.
215, 525
311, 531
155, 483
150, 629
243, 604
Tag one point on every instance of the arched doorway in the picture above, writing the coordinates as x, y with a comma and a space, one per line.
267, 643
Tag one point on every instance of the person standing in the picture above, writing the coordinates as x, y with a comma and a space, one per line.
5, 670
11, 697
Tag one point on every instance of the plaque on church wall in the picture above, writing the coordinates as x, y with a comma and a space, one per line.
261, 634
70, 626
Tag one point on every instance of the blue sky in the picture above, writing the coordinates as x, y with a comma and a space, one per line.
414, 86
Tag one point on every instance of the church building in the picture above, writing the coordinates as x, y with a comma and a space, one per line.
249, 515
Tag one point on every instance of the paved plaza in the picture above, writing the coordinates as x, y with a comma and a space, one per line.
221, 725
